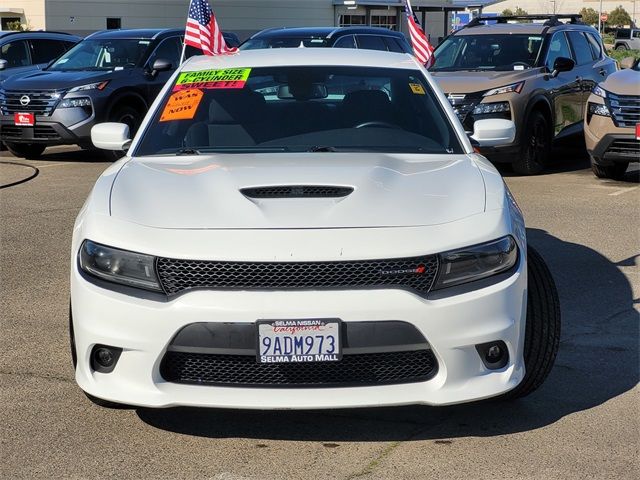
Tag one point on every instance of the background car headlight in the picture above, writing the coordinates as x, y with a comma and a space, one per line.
476, 262
514, 87
496, 107
119, 266
90, 86
75, 102
599, 109
599, 91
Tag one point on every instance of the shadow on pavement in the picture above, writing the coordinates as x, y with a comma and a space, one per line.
598, 361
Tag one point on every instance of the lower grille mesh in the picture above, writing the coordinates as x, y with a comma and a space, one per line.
416, 273
352, 370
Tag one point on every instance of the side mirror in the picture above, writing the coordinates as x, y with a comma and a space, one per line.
111, 136
562, 64
160, 65
493, 131
3, 64
627, 62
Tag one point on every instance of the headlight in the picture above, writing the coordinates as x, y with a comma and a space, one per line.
599, 109
599, 91
514, 87
477, 262
119, 266
496, 107
90, 86
75, 102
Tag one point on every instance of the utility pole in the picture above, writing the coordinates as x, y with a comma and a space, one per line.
600, 19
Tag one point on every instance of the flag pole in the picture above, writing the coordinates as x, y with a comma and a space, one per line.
184, 43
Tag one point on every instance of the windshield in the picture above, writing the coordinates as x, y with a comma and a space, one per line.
487, 52
283, 109
284, 42
102, 55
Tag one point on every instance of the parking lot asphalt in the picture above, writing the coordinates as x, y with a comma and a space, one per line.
582, 423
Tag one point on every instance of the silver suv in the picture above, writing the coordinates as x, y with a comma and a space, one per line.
627, 39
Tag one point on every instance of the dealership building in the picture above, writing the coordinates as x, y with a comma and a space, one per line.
243, 17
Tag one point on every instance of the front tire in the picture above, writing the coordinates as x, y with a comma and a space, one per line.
30, 151
535, 145
542, 331
622, 47
615, 171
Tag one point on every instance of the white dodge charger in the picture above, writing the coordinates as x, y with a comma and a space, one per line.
305, 228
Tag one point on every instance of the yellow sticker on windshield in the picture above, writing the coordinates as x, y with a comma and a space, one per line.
182, 105
417, 88
211, 79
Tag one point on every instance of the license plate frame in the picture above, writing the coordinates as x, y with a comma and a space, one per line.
24, 119
297, 331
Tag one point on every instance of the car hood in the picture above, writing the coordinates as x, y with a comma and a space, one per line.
469, 82
389, 190
623, 82
50, 80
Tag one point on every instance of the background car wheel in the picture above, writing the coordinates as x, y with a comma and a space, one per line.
622, 47
615, 171
29, 151
542, 331
536, 145
130, 116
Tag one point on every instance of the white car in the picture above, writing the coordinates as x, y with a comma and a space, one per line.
305, 228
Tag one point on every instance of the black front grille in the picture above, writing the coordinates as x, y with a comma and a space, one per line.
39, 102
352, 370
37, 132
463, 105
627, 147
297, 191
625, 109
416, 273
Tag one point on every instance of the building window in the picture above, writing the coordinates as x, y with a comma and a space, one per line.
7, 20
385, 21
114, 23
352, 20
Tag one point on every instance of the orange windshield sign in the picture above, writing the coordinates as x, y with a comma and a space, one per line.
182, 105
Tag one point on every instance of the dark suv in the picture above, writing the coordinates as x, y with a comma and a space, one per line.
23, 51
539, 75
112, 75
370, 38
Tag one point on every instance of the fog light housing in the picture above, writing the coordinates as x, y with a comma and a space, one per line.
104, 358
494, 355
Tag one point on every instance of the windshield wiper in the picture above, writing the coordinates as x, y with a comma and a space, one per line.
321, 148
187, 151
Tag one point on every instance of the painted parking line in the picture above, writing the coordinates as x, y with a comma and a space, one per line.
624, 190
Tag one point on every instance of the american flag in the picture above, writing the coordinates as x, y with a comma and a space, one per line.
202, 30
421, 46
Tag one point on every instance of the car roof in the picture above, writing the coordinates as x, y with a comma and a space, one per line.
537, 28
284, 57
136, 33
326, 32
38, 34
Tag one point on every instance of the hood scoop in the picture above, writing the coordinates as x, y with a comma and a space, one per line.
297, 191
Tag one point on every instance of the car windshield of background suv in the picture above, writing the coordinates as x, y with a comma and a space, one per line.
298, 109
487, 52
286, 42
102, 55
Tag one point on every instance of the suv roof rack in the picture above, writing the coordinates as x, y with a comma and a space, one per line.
5, 33
552, 19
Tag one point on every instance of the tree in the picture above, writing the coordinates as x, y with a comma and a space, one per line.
589, 16
619, 17
507, 12
17, 26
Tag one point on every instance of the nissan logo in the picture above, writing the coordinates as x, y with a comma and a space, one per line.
25, 100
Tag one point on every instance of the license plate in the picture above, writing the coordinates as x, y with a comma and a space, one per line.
637, 131
286, 341
24, 119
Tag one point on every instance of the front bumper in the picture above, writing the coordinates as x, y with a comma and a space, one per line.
452, 323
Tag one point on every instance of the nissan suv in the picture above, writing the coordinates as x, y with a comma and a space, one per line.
537, 74
612, 122
368, 38
111, 75
24, 51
